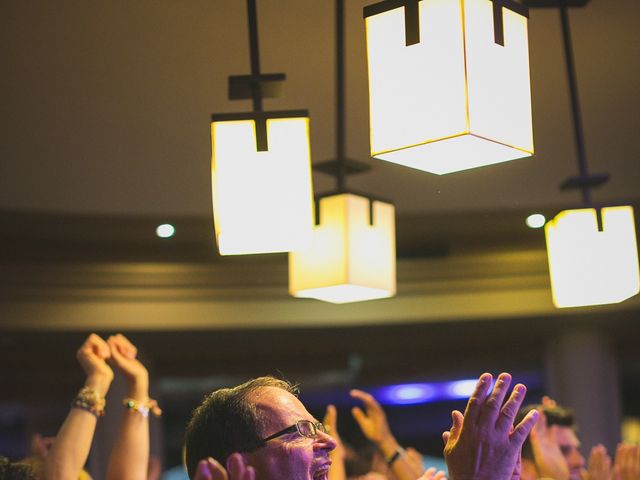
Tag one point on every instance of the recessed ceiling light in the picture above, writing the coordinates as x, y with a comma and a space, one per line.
165, 230
536, 220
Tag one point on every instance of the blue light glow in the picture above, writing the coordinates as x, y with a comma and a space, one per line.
416, 393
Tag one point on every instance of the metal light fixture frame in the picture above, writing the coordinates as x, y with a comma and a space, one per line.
584, 181
255, 87
340, 167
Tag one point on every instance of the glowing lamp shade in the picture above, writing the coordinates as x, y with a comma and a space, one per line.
262, 201
591, 267
457, 99
350, 259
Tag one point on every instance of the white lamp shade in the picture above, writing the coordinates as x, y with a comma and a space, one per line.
591, 267
262, 201
456, 100
350, 260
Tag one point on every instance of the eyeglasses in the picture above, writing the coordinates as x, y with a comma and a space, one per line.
306, 428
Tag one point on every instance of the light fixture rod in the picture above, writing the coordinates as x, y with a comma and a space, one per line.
254, 52
575, 104
340, 103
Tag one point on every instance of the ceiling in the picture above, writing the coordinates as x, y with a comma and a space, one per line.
106, 105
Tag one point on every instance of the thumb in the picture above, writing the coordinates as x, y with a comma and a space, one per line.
359, 416
445, 437
456, 427
330, 420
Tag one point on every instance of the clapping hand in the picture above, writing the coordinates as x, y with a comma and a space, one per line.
483, 444
210, 469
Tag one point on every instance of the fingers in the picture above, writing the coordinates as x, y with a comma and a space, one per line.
456, 427
520, 432
210, 469
511, 407
238, 470
370, 403
330, 420
123, 345
440, 476
477, 399
359, 416
94, 346
445, 437
492, 405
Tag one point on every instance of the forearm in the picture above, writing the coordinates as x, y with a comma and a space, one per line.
337, 470
71, 447
130, 455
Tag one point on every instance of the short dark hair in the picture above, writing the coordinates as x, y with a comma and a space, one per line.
555, 416
226, 422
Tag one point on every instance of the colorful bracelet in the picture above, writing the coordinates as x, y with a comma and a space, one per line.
91, 401
143, 408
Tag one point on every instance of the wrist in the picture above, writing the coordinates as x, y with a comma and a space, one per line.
99, 383
388, 446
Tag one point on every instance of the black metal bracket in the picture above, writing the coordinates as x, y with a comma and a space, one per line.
269, 85
260, 119
498, 19
411, 16
346, 166
589, 181
554, 3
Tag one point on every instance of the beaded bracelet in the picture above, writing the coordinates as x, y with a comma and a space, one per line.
90, 400
143, 408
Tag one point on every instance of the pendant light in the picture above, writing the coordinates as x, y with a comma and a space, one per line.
592, 251
449, 85
352, 255
261, 167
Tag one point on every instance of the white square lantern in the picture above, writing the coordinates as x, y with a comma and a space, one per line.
457, 98
589, 266
262, 200
352, 255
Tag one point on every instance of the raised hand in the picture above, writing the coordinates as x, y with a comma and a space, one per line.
123, 356
599, 464
483, 444
373, 423
627, 462
549, 458
93, 356
330, 422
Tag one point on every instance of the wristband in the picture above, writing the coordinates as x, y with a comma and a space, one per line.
143, 408
396, 455
90, 400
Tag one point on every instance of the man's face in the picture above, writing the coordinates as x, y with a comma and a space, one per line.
290, 456
569, 445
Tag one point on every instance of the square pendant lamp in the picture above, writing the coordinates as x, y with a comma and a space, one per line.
449, 85
260, 168
352, 256
589, 265
592, 251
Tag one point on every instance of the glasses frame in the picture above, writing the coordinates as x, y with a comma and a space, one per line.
315, 427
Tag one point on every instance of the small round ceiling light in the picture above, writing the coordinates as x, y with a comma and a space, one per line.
536, 220
166, 230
